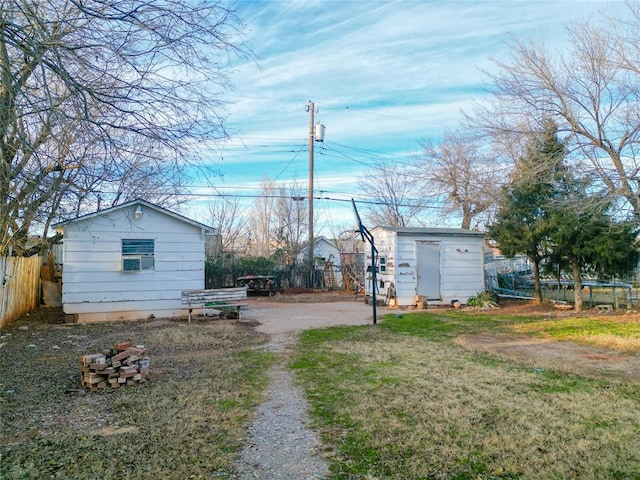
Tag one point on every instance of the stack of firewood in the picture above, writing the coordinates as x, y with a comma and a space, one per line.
122, 365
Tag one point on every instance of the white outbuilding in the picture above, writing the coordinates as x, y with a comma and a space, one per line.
431, 265
131, 261
327, 256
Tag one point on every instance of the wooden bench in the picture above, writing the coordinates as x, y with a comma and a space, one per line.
218, 298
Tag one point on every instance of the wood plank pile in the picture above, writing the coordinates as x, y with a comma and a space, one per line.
113, 368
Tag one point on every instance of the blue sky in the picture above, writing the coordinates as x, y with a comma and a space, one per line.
383, 76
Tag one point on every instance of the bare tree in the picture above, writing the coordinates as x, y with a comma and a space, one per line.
88, 86
622, 37
393, 195
456, 171
229, 219
278, 220
290, 219
591, 92
261, 217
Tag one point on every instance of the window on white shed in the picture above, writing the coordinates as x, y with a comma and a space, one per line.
137, 255
383, 264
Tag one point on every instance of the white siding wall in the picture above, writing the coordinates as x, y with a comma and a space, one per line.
330, 252
96, 288
385, 244
406, 277
461, 265
325, 250
462, 268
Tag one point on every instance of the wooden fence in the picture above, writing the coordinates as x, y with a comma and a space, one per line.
19, 287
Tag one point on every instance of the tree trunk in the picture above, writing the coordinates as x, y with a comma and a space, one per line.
537, 290
466, 218
577, 286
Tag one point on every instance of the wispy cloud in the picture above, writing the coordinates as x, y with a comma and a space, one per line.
383, 74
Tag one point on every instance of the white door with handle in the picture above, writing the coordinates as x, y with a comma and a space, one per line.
428, 269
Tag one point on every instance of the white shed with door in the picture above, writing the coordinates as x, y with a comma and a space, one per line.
130, 262
434, 265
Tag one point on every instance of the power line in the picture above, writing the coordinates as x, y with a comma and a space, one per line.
373, 153
288, 164
325, 198
376, 157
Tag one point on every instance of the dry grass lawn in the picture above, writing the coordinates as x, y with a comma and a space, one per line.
187, 421
413, 398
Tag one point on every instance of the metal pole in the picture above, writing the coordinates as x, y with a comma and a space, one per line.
374, 280
310, 251
368, 237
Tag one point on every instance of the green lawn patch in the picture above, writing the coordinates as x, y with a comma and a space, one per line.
403, 401
609, 332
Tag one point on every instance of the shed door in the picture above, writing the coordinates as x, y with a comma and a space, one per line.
428, 262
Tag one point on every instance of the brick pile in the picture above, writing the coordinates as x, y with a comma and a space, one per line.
120, 366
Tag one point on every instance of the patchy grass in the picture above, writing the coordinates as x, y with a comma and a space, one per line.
403, 401
398, 401
609, 332
186, 421
620, 333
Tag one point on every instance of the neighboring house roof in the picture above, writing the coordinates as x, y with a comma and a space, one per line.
318, 240
453, 232
141, 202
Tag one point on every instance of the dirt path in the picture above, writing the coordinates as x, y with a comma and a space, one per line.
548, 353
282, 447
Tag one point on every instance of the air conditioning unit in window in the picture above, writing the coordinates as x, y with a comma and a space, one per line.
131, 264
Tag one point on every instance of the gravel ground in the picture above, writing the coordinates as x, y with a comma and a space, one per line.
282, 447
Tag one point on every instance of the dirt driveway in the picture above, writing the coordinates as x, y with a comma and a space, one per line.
288, 316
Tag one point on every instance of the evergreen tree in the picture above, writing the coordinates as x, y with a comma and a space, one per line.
524, 222
588, 240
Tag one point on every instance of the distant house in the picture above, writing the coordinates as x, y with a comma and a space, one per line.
327, 256
433, 265
131, 261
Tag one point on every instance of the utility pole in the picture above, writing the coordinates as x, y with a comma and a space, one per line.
310, 109
316, 134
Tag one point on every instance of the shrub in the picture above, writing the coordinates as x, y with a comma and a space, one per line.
482, 299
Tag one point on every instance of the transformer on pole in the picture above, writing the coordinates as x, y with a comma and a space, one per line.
315, 135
